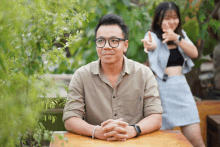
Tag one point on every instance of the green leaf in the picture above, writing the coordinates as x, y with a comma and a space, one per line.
187, 6
199, 62
126, 2
209, 46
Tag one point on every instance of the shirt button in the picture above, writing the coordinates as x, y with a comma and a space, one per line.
113, 97
115, 114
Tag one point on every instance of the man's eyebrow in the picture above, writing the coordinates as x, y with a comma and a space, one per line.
114, 37
102, 37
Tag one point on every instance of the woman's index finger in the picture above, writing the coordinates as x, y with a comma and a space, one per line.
150, 37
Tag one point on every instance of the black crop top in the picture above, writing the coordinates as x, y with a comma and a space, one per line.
175, 58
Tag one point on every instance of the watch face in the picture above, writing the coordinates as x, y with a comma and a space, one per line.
138, 129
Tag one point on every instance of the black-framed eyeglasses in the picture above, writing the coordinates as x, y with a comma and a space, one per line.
113, 42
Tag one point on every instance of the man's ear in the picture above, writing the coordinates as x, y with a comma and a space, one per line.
126, 45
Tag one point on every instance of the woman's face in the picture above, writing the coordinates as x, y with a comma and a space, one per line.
170, 19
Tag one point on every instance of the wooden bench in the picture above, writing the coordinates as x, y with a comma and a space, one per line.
213, 131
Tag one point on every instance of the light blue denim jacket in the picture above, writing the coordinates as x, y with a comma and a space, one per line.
158, 57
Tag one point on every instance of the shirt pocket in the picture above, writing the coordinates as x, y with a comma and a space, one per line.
132, 103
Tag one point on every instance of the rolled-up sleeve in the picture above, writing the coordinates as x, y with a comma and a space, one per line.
75, 104
152, 101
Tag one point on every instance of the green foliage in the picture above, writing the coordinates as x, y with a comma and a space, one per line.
136, 16
199, 62
198, 22
215, 25
192, 29
41, 133
206, 22
28, 31
209, 46
202, 15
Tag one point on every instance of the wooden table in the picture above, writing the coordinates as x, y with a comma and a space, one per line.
164, 138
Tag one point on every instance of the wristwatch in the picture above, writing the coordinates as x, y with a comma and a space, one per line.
178, 40
137, 129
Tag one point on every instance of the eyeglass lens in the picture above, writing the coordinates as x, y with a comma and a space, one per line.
113, 42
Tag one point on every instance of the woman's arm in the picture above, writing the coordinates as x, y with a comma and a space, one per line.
189, 48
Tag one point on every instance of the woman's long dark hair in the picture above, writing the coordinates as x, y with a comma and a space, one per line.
159, 15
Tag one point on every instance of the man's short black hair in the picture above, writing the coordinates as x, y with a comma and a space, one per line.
112, 19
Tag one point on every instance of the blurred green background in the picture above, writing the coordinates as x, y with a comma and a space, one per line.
138, 15
38, 37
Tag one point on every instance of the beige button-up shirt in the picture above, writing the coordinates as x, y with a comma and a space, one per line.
92, 98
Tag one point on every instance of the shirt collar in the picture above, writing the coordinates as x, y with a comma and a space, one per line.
97, 67
126, 68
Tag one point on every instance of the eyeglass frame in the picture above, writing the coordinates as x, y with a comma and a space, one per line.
120, 39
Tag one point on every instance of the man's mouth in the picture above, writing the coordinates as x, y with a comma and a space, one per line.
107, 54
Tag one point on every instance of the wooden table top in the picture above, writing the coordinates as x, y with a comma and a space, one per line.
161, 138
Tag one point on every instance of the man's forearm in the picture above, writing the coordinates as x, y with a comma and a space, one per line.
79, 126
151, 123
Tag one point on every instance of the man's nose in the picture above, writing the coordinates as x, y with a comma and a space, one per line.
107, 45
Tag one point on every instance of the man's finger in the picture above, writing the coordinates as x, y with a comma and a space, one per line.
121, 123
121, 136
110, 134
107, 122
111, 139
120, 119
121, 130
150, 37
110, 121
109, 127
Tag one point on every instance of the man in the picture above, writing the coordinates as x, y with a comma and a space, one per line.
107, 96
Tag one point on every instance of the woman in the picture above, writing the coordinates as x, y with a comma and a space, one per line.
170, 51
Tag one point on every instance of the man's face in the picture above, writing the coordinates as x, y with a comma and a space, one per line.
108, 54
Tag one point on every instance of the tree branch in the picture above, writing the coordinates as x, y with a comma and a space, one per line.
213, 12
143, 4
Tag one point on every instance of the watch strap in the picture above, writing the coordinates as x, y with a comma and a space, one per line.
137, 129
178, 40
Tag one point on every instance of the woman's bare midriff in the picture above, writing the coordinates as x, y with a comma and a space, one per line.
173, 71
